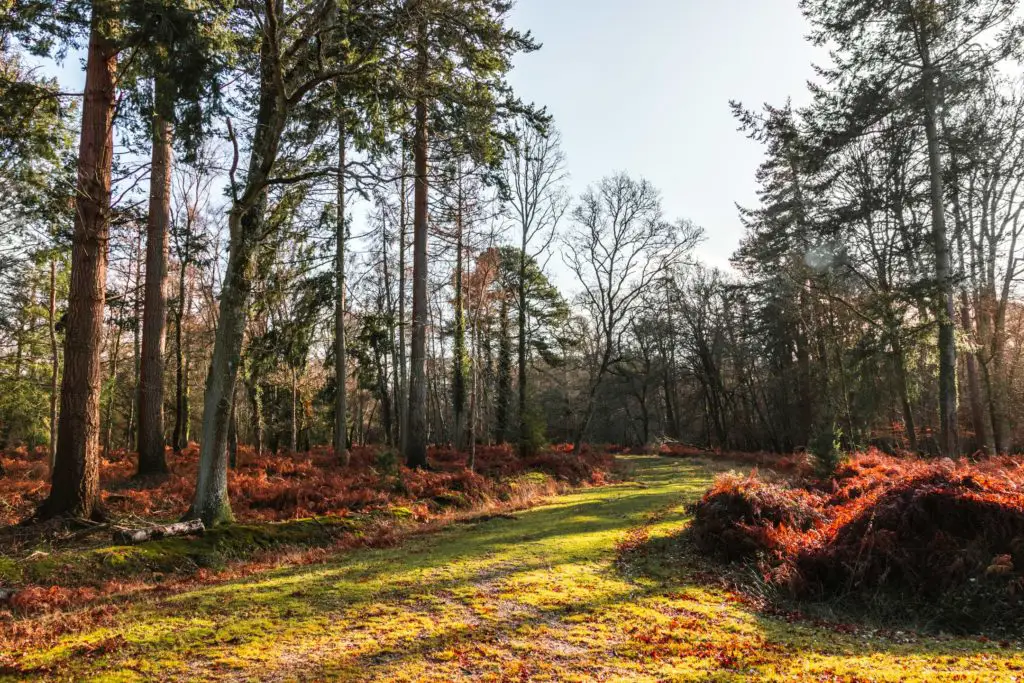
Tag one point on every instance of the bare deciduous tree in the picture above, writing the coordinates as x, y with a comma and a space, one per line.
535, 174
619, 245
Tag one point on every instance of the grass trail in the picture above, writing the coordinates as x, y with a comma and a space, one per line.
539, 597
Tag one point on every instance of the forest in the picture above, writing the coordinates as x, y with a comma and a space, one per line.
313, 365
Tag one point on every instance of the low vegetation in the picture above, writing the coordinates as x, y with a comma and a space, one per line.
940, 541
290, 486
303, 504
501, 598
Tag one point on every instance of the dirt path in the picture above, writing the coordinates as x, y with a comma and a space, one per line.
539, 597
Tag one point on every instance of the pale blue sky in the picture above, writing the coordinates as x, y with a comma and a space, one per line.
643, 86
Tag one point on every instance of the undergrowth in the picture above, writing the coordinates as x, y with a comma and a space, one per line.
585, 588
289, 506
937, 542
278, 487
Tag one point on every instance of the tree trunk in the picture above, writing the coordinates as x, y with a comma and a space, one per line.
54, 359
129, 536
340, 359
668, 357
899, 362
233, 433
416, 438
186, 404
459, 341
981, 433
211, 500
998, 382
245, 224
949, 443
154, 322
129, 430
588, 414
588, 411
504, 390
180, 437
256, 397
75, 480
293, 443
474, 400
524, 440
115, 354
384, 397
390, 354
402, 400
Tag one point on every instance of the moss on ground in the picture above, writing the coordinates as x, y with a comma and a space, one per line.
213, 550
537, 597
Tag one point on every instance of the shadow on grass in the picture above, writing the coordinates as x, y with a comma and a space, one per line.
472, 599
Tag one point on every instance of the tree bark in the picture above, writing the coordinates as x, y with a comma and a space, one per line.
459, 342
54, 359
180, 437
504, 389
154, 321
416, 437
293, 443
524, 440
340, 357
256, 397
402, 400
129, 536
115, 354
233, 432
899, 362
211, 502
75, 480
595, 384
949, 442
129, 428
981, 432
245, 224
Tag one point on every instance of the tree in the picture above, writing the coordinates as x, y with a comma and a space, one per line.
75, 486
290, 68
462, 53
340, 358
534, 174
910, 60
415, 431
183, 55
618, 246
36, 179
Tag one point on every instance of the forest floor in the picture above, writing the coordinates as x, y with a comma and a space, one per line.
577, 589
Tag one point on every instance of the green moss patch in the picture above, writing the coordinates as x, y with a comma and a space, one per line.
213, 549
563, 592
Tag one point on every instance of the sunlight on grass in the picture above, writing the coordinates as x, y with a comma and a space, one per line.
539, 597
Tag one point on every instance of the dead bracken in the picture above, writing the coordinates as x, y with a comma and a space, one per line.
940, 535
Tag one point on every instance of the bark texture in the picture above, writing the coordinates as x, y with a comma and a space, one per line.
75, 489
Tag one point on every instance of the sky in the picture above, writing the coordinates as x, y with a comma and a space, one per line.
643, 86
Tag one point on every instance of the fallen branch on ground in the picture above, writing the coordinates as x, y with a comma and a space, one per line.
128, 536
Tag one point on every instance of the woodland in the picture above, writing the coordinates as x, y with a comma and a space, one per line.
312, 367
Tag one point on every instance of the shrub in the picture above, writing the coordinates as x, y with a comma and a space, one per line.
940, 538
734, 520
827, 449
288, 486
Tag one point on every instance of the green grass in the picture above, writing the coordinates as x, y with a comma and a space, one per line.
539, 597
181, 555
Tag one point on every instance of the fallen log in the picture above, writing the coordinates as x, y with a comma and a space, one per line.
129, 536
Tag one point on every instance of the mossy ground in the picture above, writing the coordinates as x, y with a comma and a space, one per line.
214, 550
538, 597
